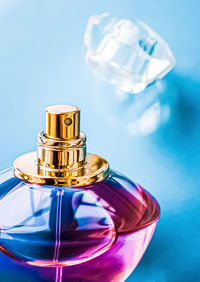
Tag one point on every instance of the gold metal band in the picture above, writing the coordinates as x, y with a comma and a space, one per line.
94, 170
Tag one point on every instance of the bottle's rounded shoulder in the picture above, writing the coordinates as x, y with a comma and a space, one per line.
130, 206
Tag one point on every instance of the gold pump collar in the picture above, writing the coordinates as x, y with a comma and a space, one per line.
61, 157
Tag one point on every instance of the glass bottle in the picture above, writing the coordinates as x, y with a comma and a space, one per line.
66, 215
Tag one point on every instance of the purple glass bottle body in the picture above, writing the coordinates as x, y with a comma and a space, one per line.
97, 232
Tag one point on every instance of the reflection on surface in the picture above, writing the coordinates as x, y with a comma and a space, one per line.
171, 166
140, 114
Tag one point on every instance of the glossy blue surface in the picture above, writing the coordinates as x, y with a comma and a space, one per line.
42, 63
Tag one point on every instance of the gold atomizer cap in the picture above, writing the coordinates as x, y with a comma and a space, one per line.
61, 158
62, 122
61, 146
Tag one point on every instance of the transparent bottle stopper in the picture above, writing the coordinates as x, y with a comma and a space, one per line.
126, 53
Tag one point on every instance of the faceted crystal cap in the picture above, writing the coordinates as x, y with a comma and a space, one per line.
126, 53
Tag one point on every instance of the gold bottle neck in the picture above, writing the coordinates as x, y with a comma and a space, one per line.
61, 157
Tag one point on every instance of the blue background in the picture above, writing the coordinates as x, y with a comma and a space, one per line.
42, 63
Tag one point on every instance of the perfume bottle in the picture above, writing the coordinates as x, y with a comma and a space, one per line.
65, 213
